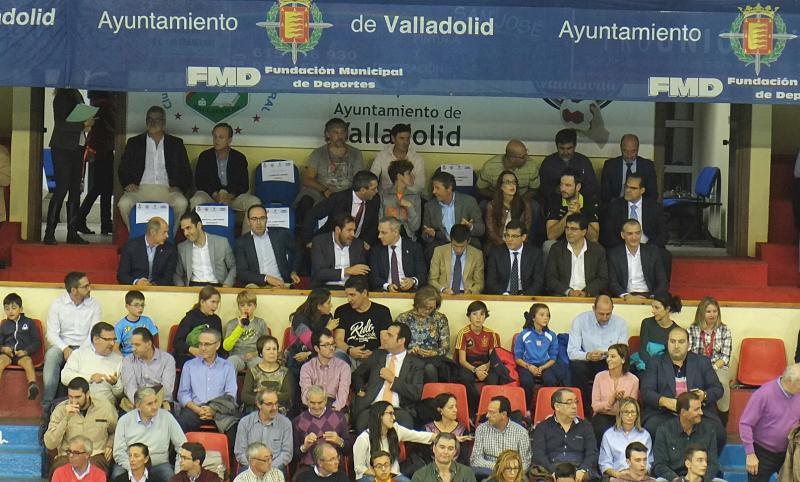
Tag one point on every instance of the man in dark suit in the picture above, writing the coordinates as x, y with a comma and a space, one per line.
616, 170
575, 265
398, 263
449, 208
265, 258
338, 255
220, 175
361, 202
154, 167
391, 374
647, 278
150, 259
634, 205
516, 256
675, 372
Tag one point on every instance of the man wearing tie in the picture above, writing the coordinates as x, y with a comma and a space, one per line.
636, 205
617, 170
390, 374
457, 267
397, 265
361, 202
516, 268
149, 259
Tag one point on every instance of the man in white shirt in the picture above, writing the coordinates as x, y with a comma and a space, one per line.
203, 259
69, 322
575, 265
635, 270
154, 167
98, 363
338, 255
399, 149
265, 257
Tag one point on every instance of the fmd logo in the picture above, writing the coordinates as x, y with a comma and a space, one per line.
684, 87
294, 26
758, 35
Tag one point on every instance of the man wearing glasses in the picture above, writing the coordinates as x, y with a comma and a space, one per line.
516, 268
79, 468
260, 468
97, 363
332, 373
80, 415
265, 257
154, 167
566, 438
207, 392
267, 426
326, 466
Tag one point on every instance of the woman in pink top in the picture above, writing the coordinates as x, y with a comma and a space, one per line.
611, 386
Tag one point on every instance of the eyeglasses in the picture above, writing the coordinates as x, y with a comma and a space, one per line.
112, 340
328, 345
266, 459
260, 219
511, 235
75, 453
511, 469
382, 466
574, 401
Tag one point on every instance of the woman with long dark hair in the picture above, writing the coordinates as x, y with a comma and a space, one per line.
202, 315
383, 433
310, 317
610, 387
506, 205
536, 351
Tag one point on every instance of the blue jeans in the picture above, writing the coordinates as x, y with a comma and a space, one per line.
156, 473
51, 373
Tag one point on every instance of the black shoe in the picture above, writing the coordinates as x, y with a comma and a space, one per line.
74, 238
33, 391
83, 229
106, 230
49, 239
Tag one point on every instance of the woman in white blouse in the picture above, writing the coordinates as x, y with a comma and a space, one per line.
383, 433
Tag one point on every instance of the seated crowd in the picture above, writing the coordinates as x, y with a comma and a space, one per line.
347, 388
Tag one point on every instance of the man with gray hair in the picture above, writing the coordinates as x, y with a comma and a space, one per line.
398, 264
207, 392
152, 426
326, 466
319, 424
150, 259
771, 413
259, 466
268, 426
79, 468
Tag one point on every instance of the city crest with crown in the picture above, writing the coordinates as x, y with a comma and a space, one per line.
294, 26
758, 35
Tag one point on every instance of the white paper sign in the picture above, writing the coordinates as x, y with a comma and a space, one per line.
282, 171
213, 215
462, 173
278, 217
146, 211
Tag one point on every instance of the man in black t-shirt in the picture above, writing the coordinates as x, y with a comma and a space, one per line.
360, 322
569, 201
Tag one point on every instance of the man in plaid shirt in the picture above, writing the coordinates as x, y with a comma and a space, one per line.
498, 433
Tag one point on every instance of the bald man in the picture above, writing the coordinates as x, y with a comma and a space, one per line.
516, 160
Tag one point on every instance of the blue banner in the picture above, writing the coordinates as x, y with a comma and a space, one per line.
743, 54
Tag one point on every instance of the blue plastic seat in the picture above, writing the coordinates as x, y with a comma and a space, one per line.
281, 193
228, 231
139, 229
49, 169
706, 191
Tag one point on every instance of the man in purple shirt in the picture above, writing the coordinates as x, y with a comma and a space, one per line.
326, 370
207, 392
318, 424
771, 413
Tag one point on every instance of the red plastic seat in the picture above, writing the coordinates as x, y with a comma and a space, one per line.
543, 408
37, 357
430, 390
213, 441
171, 340
633, 344
286, 334
761, 360
739, 399
515, 395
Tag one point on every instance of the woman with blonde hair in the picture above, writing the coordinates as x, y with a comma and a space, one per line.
508, 468
710, 337
430, 333
626, 429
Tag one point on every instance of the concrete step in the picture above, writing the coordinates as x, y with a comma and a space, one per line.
64, 257
728, 272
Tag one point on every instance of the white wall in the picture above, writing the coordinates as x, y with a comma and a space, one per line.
712, 126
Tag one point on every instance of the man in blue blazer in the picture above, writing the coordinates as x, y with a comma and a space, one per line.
265, 257
149, 259
674, 372
328, 251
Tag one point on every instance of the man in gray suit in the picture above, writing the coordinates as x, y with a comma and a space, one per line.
575, 265
449, 208
203, 259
